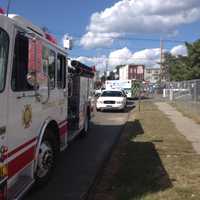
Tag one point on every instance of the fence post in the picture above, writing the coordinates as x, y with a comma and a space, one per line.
164, 93
171, 95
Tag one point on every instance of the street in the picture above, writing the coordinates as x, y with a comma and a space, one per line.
80, 162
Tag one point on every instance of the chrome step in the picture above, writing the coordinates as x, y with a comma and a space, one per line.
20, 188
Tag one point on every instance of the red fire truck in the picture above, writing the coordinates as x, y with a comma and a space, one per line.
44, 104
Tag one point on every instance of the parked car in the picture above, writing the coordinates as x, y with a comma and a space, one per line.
111, 100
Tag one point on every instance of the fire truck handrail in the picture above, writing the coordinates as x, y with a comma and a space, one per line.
2, 181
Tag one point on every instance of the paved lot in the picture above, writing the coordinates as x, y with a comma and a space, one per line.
78, 165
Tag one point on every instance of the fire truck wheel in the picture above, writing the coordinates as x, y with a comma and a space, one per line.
46, 159
84, 132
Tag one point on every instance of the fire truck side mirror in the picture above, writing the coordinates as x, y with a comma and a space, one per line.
40, 82
31, 79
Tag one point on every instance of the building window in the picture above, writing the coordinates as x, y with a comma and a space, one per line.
148, 71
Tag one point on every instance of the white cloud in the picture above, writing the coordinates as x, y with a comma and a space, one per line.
119, 57
98, 62
139, 16
147, 57
179, 50
92, 40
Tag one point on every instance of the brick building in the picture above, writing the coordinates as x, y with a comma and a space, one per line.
132, 72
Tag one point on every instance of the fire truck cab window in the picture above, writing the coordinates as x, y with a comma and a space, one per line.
61, 71
20, 64
48, 59
4, 44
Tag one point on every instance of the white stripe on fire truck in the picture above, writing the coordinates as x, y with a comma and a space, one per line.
21, 151
30, 144
63, 123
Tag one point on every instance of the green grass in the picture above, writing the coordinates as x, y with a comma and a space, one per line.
152, 162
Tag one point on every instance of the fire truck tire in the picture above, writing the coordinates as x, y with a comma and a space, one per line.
84, 132
46, 158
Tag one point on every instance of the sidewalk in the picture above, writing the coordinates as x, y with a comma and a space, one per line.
184, 125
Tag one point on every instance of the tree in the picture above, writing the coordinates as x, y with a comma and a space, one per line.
194, 58
184, 67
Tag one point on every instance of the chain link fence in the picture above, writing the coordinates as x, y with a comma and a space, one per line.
183, 91
185, 95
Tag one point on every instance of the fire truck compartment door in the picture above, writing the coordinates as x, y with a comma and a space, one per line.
3, 118
5, 29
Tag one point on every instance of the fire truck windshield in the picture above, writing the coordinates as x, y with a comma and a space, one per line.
4, 45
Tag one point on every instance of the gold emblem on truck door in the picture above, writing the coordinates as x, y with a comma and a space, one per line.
27, 116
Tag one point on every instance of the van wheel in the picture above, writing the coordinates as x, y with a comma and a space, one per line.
46, 158
84, 132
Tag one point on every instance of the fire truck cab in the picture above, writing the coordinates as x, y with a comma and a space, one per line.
43, 104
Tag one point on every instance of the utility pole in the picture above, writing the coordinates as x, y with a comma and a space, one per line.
106, 69
161, 60
8, 7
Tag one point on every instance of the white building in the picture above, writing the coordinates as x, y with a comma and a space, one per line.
123, 73
152, 75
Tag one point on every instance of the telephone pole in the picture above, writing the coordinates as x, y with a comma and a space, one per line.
161, 60
8, 7
106, 69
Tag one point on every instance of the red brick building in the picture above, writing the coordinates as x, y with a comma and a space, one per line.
132, 72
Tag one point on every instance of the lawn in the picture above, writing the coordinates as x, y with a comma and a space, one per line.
152, 161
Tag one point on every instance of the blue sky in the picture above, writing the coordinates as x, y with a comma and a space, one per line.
73, 16
67, 16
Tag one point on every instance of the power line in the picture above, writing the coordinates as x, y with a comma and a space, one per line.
117, 58
99, 59
79, 37
157, 61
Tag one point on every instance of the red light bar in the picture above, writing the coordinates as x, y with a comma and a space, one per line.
50, 38
2, 11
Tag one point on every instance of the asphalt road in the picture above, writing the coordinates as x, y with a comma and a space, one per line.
79, 164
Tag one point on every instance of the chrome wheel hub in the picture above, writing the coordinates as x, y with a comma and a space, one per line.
45, 159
